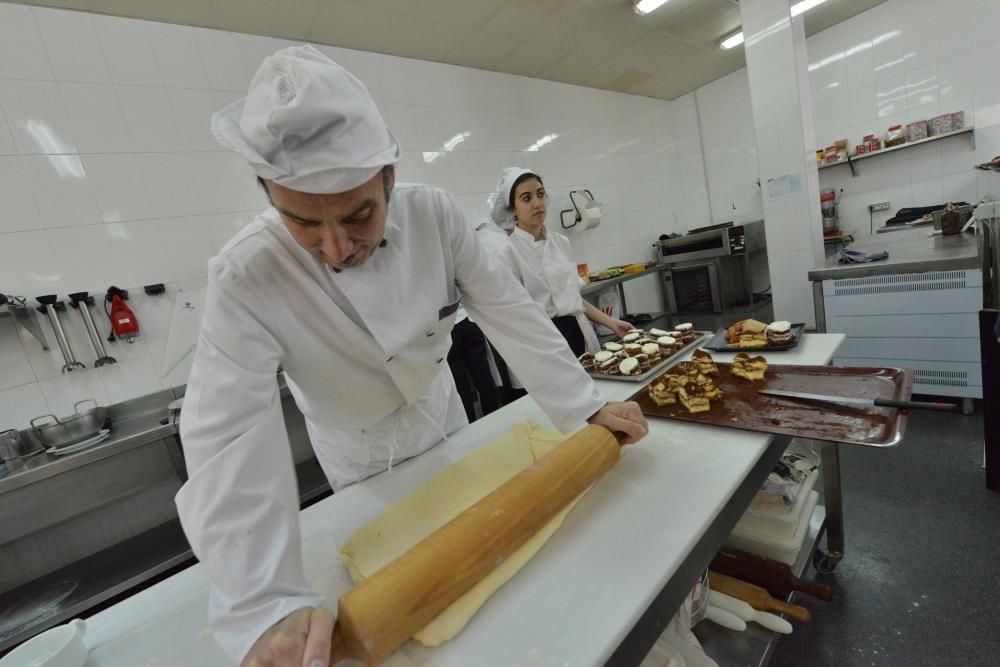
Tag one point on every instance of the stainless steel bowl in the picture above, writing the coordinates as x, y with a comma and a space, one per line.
14, 447
71, 430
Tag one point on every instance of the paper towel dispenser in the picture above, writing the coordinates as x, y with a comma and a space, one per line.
588, 211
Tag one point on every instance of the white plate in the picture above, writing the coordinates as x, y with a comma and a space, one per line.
100, 437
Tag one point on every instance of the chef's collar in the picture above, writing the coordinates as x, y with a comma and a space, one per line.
527, 236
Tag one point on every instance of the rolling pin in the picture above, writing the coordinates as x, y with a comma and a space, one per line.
776, 577
381, 613
758, 597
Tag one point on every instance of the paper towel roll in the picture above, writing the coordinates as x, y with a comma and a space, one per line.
590, 217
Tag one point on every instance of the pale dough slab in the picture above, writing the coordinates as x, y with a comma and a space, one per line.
440, 499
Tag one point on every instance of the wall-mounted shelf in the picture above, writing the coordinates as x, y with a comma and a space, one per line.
851, 159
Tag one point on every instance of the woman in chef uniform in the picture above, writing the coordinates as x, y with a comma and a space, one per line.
354, 298
541, 260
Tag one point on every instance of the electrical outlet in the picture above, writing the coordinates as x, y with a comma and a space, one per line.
878, 206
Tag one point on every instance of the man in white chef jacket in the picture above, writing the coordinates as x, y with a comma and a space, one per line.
350, 283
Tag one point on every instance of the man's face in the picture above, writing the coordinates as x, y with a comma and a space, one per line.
343, 229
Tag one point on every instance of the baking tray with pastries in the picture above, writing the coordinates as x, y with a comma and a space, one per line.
641, 353
728, 394
754, 335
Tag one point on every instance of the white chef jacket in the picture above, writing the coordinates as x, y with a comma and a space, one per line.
546, 270
363, 351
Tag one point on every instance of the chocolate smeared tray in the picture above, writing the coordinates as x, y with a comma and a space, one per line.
743, 408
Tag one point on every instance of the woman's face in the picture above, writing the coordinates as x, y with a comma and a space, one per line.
530, 202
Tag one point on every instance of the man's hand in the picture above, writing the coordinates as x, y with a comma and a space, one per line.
625, 417
621, 327
301, 639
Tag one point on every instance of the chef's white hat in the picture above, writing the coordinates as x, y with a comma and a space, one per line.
499, 201
308, 124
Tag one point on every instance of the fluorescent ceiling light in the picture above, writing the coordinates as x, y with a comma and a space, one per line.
643, 7
732, 40
737, 38
805, 6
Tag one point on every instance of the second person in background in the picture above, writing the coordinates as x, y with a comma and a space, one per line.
541, 261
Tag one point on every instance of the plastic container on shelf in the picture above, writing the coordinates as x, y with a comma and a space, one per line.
939, 125
957, 121
777, 524
916, 130
783, 550
895, 136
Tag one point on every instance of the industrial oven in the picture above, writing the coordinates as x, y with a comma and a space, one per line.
714, 269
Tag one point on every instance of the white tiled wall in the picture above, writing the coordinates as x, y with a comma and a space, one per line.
727, 133
901, 61
109, 174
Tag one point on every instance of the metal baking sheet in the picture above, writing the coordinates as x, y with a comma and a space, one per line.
719, 344
743, 408
656, 370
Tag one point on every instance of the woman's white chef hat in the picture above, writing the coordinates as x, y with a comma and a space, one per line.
308, 124
499, 201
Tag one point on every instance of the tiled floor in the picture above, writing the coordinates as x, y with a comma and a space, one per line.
919, 581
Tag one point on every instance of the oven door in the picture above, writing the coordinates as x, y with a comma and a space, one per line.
693, 288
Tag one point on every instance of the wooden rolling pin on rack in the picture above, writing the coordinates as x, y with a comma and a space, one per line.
378, 615
758, 597
776, 577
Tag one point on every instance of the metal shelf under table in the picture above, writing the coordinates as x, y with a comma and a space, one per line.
755, 645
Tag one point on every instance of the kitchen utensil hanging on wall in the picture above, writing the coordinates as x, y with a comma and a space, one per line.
51, 307
82, 302
124, 323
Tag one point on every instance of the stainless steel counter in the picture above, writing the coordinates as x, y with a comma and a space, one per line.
598, 285
141, 426
110, 510
910, 251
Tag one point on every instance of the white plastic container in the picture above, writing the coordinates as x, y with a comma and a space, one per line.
61, 646
776, 525
783, 550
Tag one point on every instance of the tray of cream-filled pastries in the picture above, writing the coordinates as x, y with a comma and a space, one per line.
641, 353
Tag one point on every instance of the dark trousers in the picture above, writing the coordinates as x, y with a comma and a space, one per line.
467, 359
508, 394
570, 329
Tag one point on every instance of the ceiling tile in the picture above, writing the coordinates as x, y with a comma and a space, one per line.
660, 87
275, 18
627, 81
523, 20
189, 12
582, 72
465, 13
653, 52
597, 43
593, 33
372, 28
406, 6
480, 50
529, 60
350, 25
704, 23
